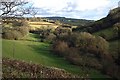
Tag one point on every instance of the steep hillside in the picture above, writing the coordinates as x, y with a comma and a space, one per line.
107, 27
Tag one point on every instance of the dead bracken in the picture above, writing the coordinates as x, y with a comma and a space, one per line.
17, 68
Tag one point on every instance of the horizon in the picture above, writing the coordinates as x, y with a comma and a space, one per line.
77, 9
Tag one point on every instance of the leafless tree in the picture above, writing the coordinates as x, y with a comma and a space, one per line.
13, 8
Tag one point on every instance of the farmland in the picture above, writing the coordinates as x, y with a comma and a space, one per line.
42, 25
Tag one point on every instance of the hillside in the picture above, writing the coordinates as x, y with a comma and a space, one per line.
71, 21
107, 27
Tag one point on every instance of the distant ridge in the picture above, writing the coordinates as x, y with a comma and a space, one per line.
71, 21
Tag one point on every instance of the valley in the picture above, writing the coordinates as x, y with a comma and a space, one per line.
61, 47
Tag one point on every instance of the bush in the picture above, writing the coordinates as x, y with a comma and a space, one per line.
87, 43
60, 48
51, 37
17, 30
117, 29
17, 35
77, 46
23, 30
71, 55
60, 30
19, 23
8, 35
12, 35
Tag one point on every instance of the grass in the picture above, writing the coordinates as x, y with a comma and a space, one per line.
114, 47
109, 32
31, 37
28, 50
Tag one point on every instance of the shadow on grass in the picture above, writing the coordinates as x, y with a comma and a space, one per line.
42, 50
35, 36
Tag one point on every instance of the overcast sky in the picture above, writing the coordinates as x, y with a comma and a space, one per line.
80, 9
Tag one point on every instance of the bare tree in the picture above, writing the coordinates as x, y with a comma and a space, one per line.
15, 8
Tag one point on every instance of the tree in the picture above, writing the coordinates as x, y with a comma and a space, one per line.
13, 8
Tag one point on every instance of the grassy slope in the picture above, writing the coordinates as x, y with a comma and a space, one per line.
109, 32
115, 47
38, 52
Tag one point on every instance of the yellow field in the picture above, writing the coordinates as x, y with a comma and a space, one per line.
42, 25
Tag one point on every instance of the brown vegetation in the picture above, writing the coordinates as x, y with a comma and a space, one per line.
84, 49
21, 69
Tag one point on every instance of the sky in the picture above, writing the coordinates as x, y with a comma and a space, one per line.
80, 9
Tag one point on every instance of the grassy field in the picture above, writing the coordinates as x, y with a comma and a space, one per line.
28, 50
41, 25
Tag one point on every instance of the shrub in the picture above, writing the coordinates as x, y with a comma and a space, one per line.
19, 23
116, 29
60, 48
23, 30
13, 34
71, 55
17, 35
8, 35
88, 43
51, 37
17, 30
83, 49
60, 30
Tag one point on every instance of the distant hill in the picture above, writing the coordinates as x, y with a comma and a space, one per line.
71, 21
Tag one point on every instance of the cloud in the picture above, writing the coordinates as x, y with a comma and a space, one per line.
80, 4
87, 9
